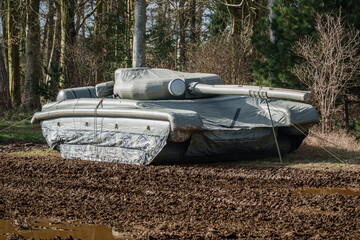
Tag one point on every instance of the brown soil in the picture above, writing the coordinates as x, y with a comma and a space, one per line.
179, 201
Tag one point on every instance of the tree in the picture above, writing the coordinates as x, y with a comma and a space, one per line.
243, 15
13, 51
219, 20
32, 69
128, 33
51, 58
4, 86
68, 39
294, 20
98, 39
3, 16
292, 23
330, 62
139, 34
193, 35
49, 29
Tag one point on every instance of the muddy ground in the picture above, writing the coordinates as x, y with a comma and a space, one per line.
181, 201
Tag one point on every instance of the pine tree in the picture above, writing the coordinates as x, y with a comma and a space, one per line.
294, 20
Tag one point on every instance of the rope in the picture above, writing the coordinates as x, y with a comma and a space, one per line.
303, 131
17, 123
95, 127
273, 130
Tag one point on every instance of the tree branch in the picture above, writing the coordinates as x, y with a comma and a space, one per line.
87, 16
260, 5
232, 5
242, 3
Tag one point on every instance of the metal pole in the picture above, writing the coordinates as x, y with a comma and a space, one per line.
273, 129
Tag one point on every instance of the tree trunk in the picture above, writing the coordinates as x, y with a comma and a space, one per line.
63, 41
55, 49
49, 32
199, 23
68, 39
193, 37
79, 17
128, 33
242, 15
33, 66
182, 28
13, 52
71, 71
98, 43
4, 86
3, 16
139, 34
272, 17
236, 16
53, 62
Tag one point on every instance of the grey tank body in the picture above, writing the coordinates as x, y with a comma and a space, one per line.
154, 116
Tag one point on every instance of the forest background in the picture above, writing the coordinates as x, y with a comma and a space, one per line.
48, 45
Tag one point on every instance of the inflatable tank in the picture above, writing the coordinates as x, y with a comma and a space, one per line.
156, 116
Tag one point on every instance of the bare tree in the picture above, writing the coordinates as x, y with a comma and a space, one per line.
217, 56
330, 63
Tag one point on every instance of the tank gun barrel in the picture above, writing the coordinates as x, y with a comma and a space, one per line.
247, 90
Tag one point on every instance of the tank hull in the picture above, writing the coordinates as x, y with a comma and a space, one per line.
173, 131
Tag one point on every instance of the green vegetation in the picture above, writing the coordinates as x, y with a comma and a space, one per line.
293, 21
17, 127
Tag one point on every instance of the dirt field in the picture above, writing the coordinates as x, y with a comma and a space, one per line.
187, 201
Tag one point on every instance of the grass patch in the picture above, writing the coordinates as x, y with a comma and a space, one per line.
334, 147
329, 167
37, 153
16, 126
314, 154
333, 151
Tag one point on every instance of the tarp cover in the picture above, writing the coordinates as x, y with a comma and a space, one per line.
152, 83
234, 124
134, 141
237, 112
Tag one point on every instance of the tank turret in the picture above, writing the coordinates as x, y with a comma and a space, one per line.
164, 84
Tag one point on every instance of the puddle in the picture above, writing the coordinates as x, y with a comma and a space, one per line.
43, 230
344, 191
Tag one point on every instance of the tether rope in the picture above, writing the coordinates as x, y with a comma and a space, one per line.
303, 131
273, 130
17, 123
95, 128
